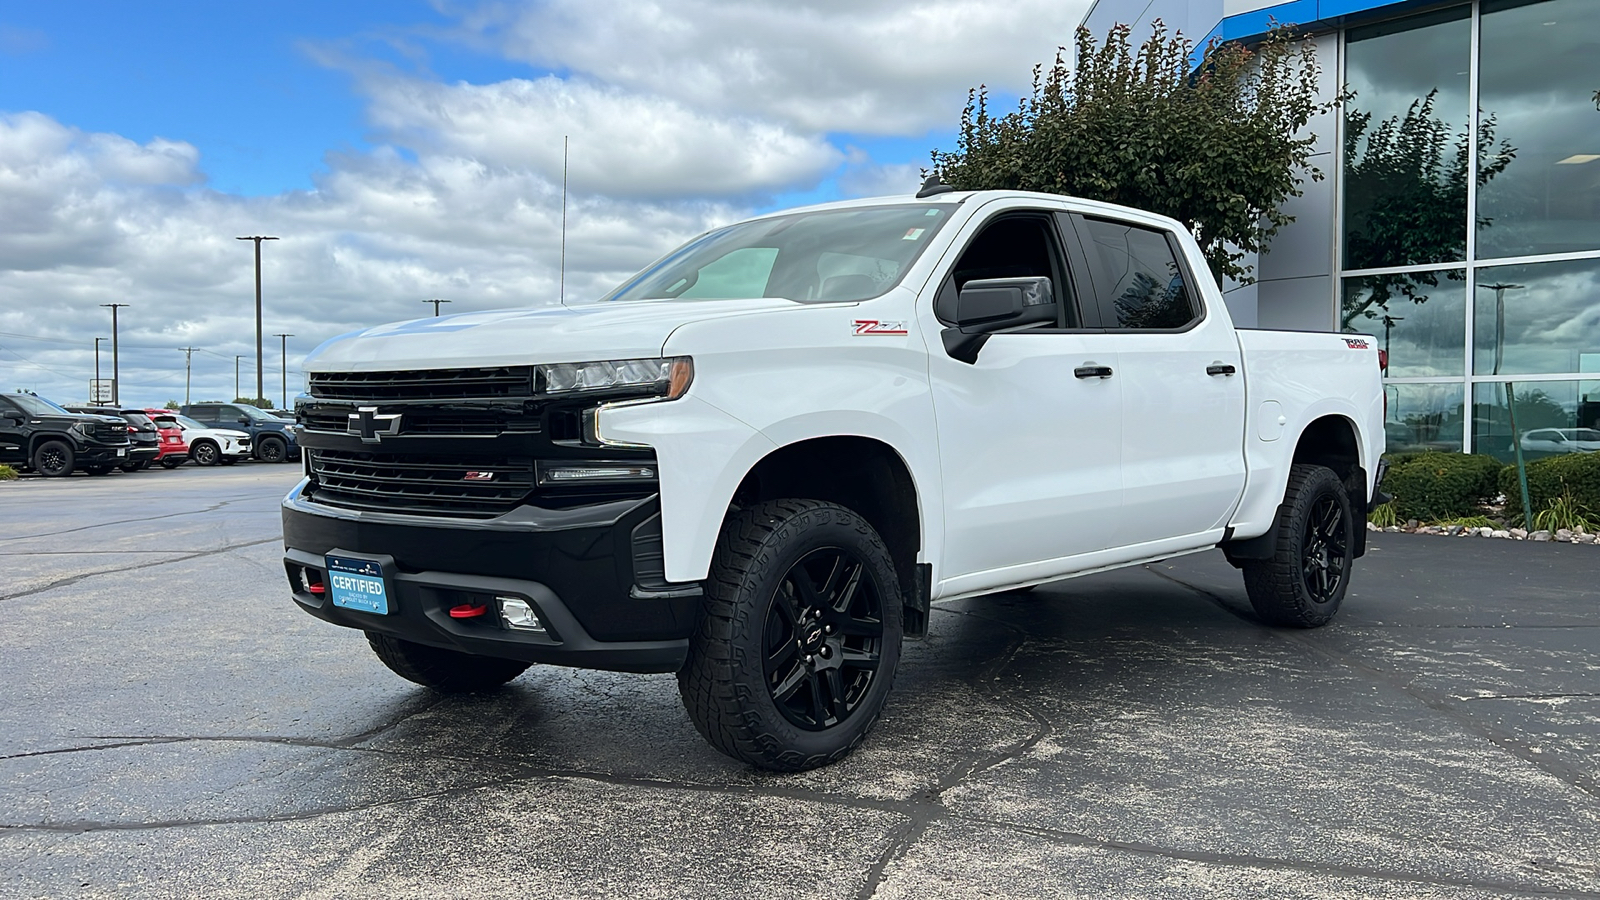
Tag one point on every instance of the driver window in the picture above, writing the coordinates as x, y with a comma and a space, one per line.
1012, 247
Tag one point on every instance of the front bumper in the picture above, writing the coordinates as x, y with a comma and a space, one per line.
103, 454
592, 574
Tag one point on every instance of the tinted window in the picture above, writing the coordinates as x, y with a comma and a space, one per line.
1013, 247
1139, 281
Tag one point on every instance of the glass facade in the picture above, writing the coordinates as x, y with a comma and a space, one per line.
1469, 242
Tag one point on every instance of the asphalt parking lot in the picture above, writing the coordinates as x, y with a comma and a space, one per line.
171, 725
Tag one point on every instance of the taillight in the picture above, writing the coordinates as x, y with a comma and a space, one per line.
1383, 360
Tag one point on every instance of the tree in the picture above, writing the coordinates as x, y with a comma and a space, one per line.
259, 402
1406, 200
1219, 147
172, 404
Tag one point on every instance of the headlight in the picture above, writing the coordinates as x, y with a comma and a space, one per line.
669, 377
82, 429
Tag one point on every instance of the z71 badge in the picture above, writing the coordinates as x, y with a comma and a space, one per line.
875, 326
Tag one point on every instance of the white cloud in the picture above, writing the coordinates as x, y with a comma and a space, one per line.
626, 143
822, 66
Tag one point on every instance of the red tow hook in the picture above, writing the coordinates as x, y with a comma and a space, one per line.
468, 610
317, 588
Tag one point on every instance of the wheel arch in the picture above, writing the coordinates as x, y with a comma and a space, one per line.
1331, 439
41, 437
866, 475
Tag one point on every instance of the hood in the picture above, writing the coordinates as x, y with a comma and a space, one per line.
513, 337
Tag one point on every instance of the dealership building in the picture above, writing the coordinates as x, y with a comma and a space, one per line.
1459, 220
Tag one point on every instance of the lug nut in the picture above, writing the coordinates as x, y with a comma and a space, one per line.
825, 652
828, 629
808, 657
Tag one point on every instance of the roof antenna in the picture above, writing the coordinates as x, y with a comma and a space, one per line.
933, 186
564, 220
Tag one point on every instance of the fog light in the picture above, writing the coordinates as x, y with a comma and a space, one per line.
516, 613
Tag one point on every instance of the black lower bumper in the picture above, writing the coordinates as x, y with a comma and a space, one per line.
588, 573
102, 455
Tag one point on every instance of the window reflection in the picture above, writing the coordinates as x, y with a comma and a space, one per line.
1537, 72
1542, 318
1406, 141
1423, 417
1419, 318
1552, 417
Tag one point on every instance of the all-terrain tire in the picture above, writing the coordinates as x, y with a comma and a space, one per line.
54, 459
781, 585
205, 453
272, 450
446, 671
1305, 580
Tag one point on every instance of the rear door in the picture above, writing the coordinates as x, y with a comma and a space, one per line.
1182, 380
1028, 446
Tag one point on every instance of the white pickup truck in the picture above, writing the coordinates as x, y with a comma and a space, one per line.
757, 462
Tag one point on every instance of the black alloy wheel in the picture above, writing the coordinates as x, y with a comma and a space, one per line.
797, 638
53, 459
1304, 582
824, 639
272, 450
205, 453
1323, 556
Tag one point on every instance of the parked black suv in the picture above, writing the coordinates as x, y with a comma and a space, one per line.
145, 439
39, 435
273, 437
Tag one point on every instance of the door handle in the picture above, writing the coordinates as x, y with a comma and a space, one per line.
1092, 372
1220, 369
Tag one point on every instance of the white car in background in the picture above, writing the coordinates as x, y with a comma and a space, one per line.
1561, 440
209, 446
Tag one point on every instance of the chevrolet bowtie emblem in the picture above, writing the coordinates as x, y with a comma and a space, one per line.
371, 426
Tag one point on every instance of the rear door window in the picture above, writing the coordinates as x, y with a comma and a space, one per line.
1138, 280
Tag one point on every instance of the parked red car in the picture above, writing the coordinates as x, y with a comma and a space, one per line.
174, 449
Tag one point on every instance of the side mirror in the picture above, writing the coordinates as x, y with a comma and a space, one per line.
242, 420
990, 305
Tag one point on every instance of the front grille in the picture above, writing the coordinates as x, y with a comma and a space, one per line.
424, 384
429, 421
109, 433
420, 485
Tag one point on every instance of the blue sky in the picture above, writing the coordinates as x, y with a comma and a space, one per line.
405, 150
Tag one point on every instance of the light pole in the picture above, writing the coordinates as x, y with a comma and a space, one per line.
1511, 397
188, 358
95, 400
258, 238
436, 306
116, 380
236, 394
283, 354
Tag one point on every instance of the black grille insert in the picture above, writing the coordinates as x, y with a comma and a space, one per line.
424, 384
428, 421
470, 487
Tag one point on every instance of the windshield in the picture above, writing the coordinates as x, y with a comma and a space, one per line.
36, 406
187, 423
839, 254
257, 415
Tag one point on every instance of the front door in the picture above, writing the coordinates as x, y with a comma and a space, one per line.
1029, 449
13, 443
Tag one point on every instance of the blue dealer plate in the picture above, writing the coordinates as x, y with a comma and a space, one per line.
357, 584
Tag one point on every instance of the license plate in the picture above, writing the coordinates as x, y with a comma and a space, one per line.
357, 584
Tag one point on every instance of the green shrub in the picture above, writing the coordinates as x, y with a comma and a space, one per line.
1433, 486
1383, 515
1572, 475
7, 473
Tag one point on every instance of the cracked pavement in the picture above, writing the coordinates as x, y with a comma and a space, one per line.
171, 725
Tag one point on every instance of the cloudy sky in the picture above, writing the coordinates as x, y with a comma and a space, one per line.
405, 150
